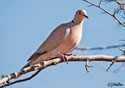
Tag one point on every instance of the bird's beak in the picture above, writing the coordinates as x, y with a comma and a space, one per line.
86, 16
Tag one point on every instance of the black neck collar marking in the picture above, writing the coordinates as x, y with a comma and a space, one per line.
73, 21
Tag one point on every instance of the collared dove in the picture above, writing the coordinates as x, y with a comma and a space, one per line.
61, 41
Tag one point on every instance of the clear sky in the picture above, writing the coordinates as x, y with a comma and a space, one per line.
25, 24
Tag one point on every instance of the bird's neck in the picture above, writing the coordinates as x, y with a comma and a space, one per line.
77, 21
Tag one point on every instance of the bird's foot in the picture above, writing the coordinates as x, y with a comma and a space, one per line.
64, 57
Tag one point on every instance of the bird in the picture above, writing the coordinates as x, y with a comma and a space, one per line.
63, 39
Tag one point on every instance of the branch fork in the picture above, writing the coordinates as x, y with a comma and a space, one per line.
87, 66
111, 14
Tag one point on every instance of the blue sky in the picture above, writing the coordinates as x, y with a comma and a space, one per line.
25, 24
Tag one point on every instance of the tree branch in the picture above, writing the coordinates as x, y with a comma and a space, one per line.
21, 80
119, 2
99, 47
55, 61
99, 6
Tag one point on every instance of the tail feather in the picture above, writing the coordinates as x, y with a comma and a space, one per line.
27, 65
43, 57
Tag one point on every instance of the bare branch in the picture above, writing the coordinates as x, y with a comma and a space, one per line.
52, 62
21, 80
123, 51
100, 47
119, 2
98, 6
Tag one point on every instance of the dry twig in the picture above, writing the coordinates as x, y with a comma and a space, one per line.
99, 6
87, 66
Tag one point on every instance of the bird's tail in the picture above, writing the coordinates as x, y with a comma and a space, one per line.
41, 58
27, 65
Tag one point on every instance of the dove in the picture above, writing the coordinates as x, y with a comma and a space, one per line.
61, 41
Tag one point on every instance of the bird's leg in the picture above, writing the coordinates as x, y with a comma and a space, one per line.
87, 66
65, 59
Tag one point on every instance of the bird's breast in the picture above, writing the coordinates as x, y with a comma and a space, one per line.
72, 40
75, 35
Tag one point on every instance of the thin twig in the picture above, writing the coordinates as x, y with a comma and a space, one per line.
87, 66
105, 12
113, 61
123, 51
119, 2
100, 47
100, 3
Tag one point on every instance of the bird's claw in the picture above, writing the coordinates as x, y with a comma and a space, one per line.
64, 57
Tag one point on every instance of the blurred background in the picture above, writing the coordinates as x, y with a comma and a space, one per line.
25, 24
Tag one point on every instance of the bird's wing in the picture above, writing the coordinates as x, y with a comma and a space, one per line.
53, 41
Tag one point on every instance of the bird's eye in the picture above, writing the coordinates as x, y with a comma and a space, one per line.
79, 12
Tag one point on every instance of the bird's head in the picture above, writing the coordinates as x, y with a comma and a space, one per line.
80, 15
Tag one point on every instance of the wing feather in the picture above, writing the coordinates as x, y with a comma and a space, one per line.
53, 41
